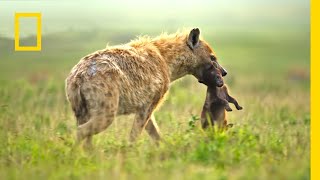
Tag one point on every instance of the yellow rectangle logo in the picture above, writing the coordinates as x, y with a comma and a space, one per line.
17, 34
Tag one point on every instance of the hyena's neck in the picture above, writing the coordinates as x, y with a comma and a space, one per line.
178, 57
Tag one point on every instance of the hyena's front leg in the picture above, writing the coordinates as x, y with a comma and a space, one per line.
141, 120
139, 123
144, 116
153, 129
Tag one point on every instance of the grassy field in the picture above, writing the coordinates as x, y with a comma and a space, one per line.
268, 74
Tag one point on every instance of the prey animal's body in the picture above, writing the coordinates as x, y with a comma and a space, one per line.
217, 99
132, 78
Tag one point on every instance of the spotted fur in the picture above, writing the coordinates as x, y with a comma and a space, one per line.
132, 78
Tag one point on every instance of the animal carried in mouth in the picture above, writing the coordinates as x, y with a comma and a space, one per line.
217, 99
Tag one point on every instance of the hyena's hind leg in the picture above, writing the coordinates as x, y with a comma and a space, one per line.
78, 104
83, 120
102, 102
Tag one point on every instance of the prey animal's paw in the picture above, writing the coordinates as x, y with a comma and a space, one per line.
229, 125
228, 108
239, 108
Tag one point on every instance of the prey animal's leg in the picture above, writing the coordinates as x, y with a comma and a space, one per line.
206, 119
230, 98
226, 104
226, 126
233, 101
229, 126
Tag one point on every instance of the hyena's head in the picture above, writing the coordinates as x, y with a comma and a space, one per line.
202, 54
211, 75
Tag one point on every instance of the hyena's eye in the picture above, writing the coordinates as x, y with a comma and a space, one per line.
213, 58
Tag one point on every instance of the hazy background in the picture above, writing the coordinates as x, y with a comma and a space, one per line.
142, 15
264, 45
76, 28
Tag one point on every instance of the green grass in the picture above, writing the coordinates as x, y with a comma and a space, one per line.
270, 139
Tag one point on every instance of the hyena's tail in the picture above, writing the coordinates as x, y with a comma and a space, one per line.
77, 101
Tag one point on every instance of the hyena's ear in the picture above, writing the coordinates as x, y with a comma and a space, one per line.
193, 38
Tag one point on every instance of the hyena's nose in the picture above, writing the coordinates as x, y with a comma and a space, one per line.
223, 71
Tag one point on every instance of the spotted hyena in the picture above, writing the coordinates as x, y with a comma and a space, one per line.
133, 78
217, 99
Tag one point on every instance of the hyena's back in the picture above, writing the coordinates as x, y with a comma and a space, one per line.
123, 80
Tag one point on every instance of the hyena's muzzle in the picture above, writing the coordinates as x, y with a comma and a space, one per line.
223, 70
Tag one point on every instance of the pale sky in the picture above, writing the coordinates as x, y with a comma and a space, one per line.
85, 15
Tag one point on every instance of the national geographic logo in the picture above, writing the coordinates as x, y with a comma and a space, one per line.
17, 46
